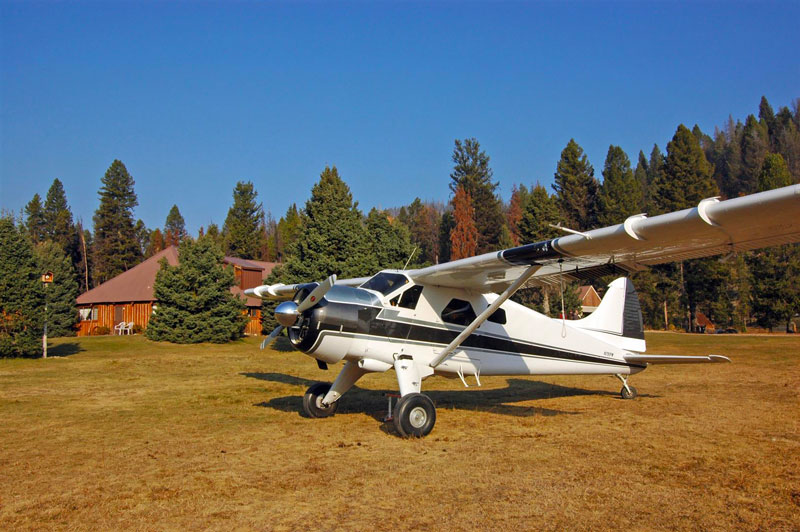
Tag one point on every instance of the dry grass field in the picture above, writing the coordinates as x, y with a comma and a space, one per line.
121, 433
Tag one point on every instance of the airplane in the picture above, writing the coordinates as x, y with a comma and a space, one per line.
456, 319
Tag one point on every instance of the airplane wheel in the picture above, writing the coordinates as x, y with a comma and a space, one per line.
628, 395
414, 416
312, 401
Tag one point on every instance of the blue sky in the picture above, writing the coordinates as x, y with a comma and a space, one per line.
194, 96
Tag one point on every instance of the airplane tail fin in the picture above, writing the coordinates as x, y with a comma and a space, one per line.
618, 319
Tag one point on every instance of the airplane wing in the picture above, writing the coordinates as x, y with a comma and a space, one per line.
713, 227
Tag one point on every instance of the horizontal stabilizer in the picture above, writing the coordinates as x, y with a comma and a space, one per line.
674, 359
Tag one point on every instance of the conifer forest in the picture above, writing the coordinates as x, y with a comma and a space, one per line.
327, 233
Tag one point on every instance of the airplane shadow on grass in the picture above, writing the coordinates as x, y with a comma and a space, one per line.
374, 402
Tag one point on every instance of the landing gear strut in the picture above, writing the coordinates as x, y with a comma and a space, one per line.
627, 391
414, 416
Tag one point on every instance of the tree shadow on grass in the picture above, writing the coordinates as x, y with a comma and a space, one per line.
64, 350
375, 404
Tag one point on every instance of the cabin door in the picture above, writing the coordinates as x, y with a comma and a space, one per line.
118, 314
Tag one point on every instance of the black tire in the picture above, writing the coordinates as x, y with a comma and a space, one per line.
414, 416
312, 401
628, 395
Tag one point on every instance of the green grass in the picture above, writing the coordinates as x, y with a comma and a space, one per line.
122, 433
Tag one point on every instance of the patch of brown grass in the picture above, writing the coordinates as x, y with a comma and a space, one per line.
128, 434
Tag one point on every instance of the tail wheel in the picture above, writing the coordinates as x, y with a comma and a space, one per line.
414, 416
312, 401
628, 394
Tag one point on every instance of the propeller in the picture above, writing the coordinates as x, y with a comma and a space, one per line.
287, 312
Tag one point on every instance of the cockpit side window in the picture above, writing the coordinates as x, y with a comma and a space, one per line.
385, 283
458, 312
409, 298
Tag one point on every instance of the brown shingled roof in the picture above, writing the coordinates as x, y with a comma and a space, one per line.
135, 284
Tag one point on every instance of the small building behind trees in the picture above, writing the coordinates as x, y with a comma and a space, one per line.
129, 297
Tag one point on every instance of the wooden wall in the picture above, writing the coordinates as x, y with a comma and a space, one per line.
139, 314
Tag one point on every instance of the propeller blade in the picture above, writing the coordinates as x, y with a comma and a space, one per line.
271, 338
316, 294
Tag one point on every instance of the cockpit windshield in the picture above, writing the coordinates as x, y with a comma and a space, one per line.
385, 283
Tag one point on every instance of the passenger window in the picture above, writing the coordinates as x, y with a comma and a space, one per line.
458, 312
498, 316
410, 297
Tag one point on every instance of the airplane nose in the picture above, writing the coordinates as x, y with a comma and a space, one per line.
286, 313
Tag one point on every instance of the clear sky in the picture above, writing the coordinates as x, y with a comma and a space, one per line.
193, 97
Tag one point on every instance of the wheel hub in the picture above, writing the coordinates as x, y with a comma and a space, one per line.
417, 417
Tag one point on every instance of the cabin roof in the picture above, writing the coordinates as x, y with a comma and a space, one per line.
136, 284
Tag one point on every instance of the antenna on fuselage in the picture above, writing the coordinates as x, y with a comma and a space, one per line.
409, 258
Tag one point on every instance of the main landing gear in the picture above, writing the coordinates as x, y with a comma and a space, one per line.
627, 391
414, 416
312, 401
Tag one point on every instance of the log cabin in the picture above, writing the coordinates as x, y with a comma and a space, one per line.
128, 297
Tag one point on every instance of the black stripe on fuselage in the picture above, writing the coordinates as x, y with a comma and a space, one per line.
370, 324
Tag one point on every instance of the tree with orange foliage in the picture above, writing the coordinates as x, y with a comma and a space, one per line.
464, 236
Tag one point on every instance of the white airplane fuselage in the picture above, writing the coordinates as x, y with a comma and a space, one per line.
373, 329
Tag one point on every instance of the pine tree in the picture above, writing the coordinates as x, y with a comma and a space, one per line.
539, 213
687, 176
62, 310
576, 188
766, 117
84, 265
156, 243
58, 219
774, 173
519, 197
35, 222
21, 295
174, 227
333, 239
195, 303
243, 230
289, 228
464, 236
619, 194
143, 236
423, 219
471, 170
116, 247
640, 174
755, 146
390, 240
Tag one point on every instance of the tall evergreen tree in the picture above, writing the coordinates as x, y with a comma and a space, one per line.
174, 227
576, 188
85, 257
243, 230
195, 303
333, 239
390, 240
21, 294
423, 220
143, 236
116, 246
464, 236
35, 221
755, 146
766, 116
61, 294
288, 230
687, 176
539, 213
619, 194
156, 243
640, 174
471, 170
58, 218
516, 206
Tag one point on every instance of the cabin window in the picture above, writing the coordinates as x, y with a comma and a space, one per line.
498, 316
458, 312
408, 299
385, 283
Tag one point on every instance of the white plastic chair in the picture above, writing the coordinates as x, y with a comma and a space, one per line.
128, 329
119, 327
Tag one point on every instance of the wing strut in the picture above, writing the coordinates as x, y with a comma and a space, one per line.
483, 316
